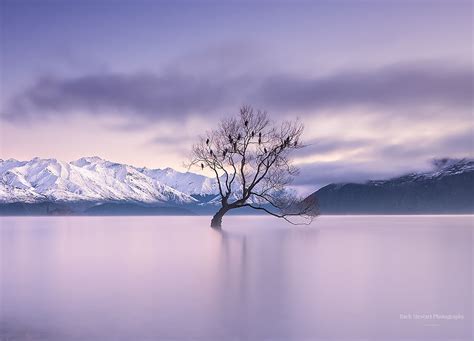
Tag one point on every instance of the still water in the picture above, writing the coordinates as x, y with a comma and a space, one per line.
173, 278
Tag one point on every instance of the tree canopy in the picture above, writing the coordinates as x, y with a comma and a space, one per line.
249, 156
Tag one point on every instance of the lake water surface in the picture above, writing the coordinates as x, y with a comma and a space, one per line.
174, 278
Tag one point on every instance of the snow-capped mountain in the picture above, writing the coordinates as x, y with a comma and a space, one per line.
96, 180
440, 168
189, 183
447, 188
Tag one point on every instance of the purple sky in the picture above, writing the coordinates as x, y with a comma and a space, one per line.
383, 87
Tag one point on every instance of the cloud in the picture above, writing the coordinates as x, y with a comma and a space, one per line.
459, 144
175, 94
330, 145
463, 141
319, 174
398, 158
402, 85
142, 95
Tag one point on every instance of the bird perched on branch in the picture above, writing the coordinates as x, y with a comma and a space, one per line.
255, 151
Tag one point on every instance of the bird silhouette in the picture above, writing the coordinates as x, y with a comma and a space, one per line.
211, 152
238, 137
253, 133
265, 150
296, 143
202, 166
246, 123
207, 141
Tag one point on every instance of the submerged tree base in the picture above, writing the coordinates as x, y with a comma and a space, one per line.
216, 226
216, 221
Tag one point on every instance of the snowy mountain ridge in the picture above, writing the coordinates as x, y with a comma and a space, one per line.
445, 189
93, 179
440, 168
97, 180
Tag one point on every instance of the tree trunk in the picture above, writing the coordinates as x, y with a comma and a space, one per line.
216, 221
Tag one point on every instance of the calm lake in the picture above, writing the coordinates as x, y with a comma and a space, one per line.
174, 278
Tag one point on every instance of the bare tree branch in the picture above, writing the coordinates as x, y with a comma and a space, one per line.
250, 158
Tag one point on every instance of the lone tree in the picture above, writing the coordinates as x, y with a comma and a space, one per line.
249, 158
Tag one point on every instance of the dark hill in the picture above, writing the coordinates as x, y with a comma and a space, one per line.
447, 189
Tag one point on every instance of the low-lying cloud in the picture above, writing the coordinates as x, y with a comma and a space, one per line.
320, 174
398, 158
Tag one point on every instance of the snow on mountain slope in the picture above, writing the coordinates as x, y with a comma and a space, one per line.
447, 188
444, 167
86, 179
440, 168
97, 180
189, 183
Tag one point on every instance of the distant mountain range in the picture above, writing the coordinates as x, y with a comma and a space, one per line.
92, 185
95, 186
448, 188
97, 180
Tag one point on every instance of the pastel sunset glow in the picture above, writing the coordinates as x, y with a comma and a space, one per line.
382, 87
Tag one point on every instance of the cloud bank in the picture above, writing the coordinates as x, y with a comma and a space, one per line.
175, 95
